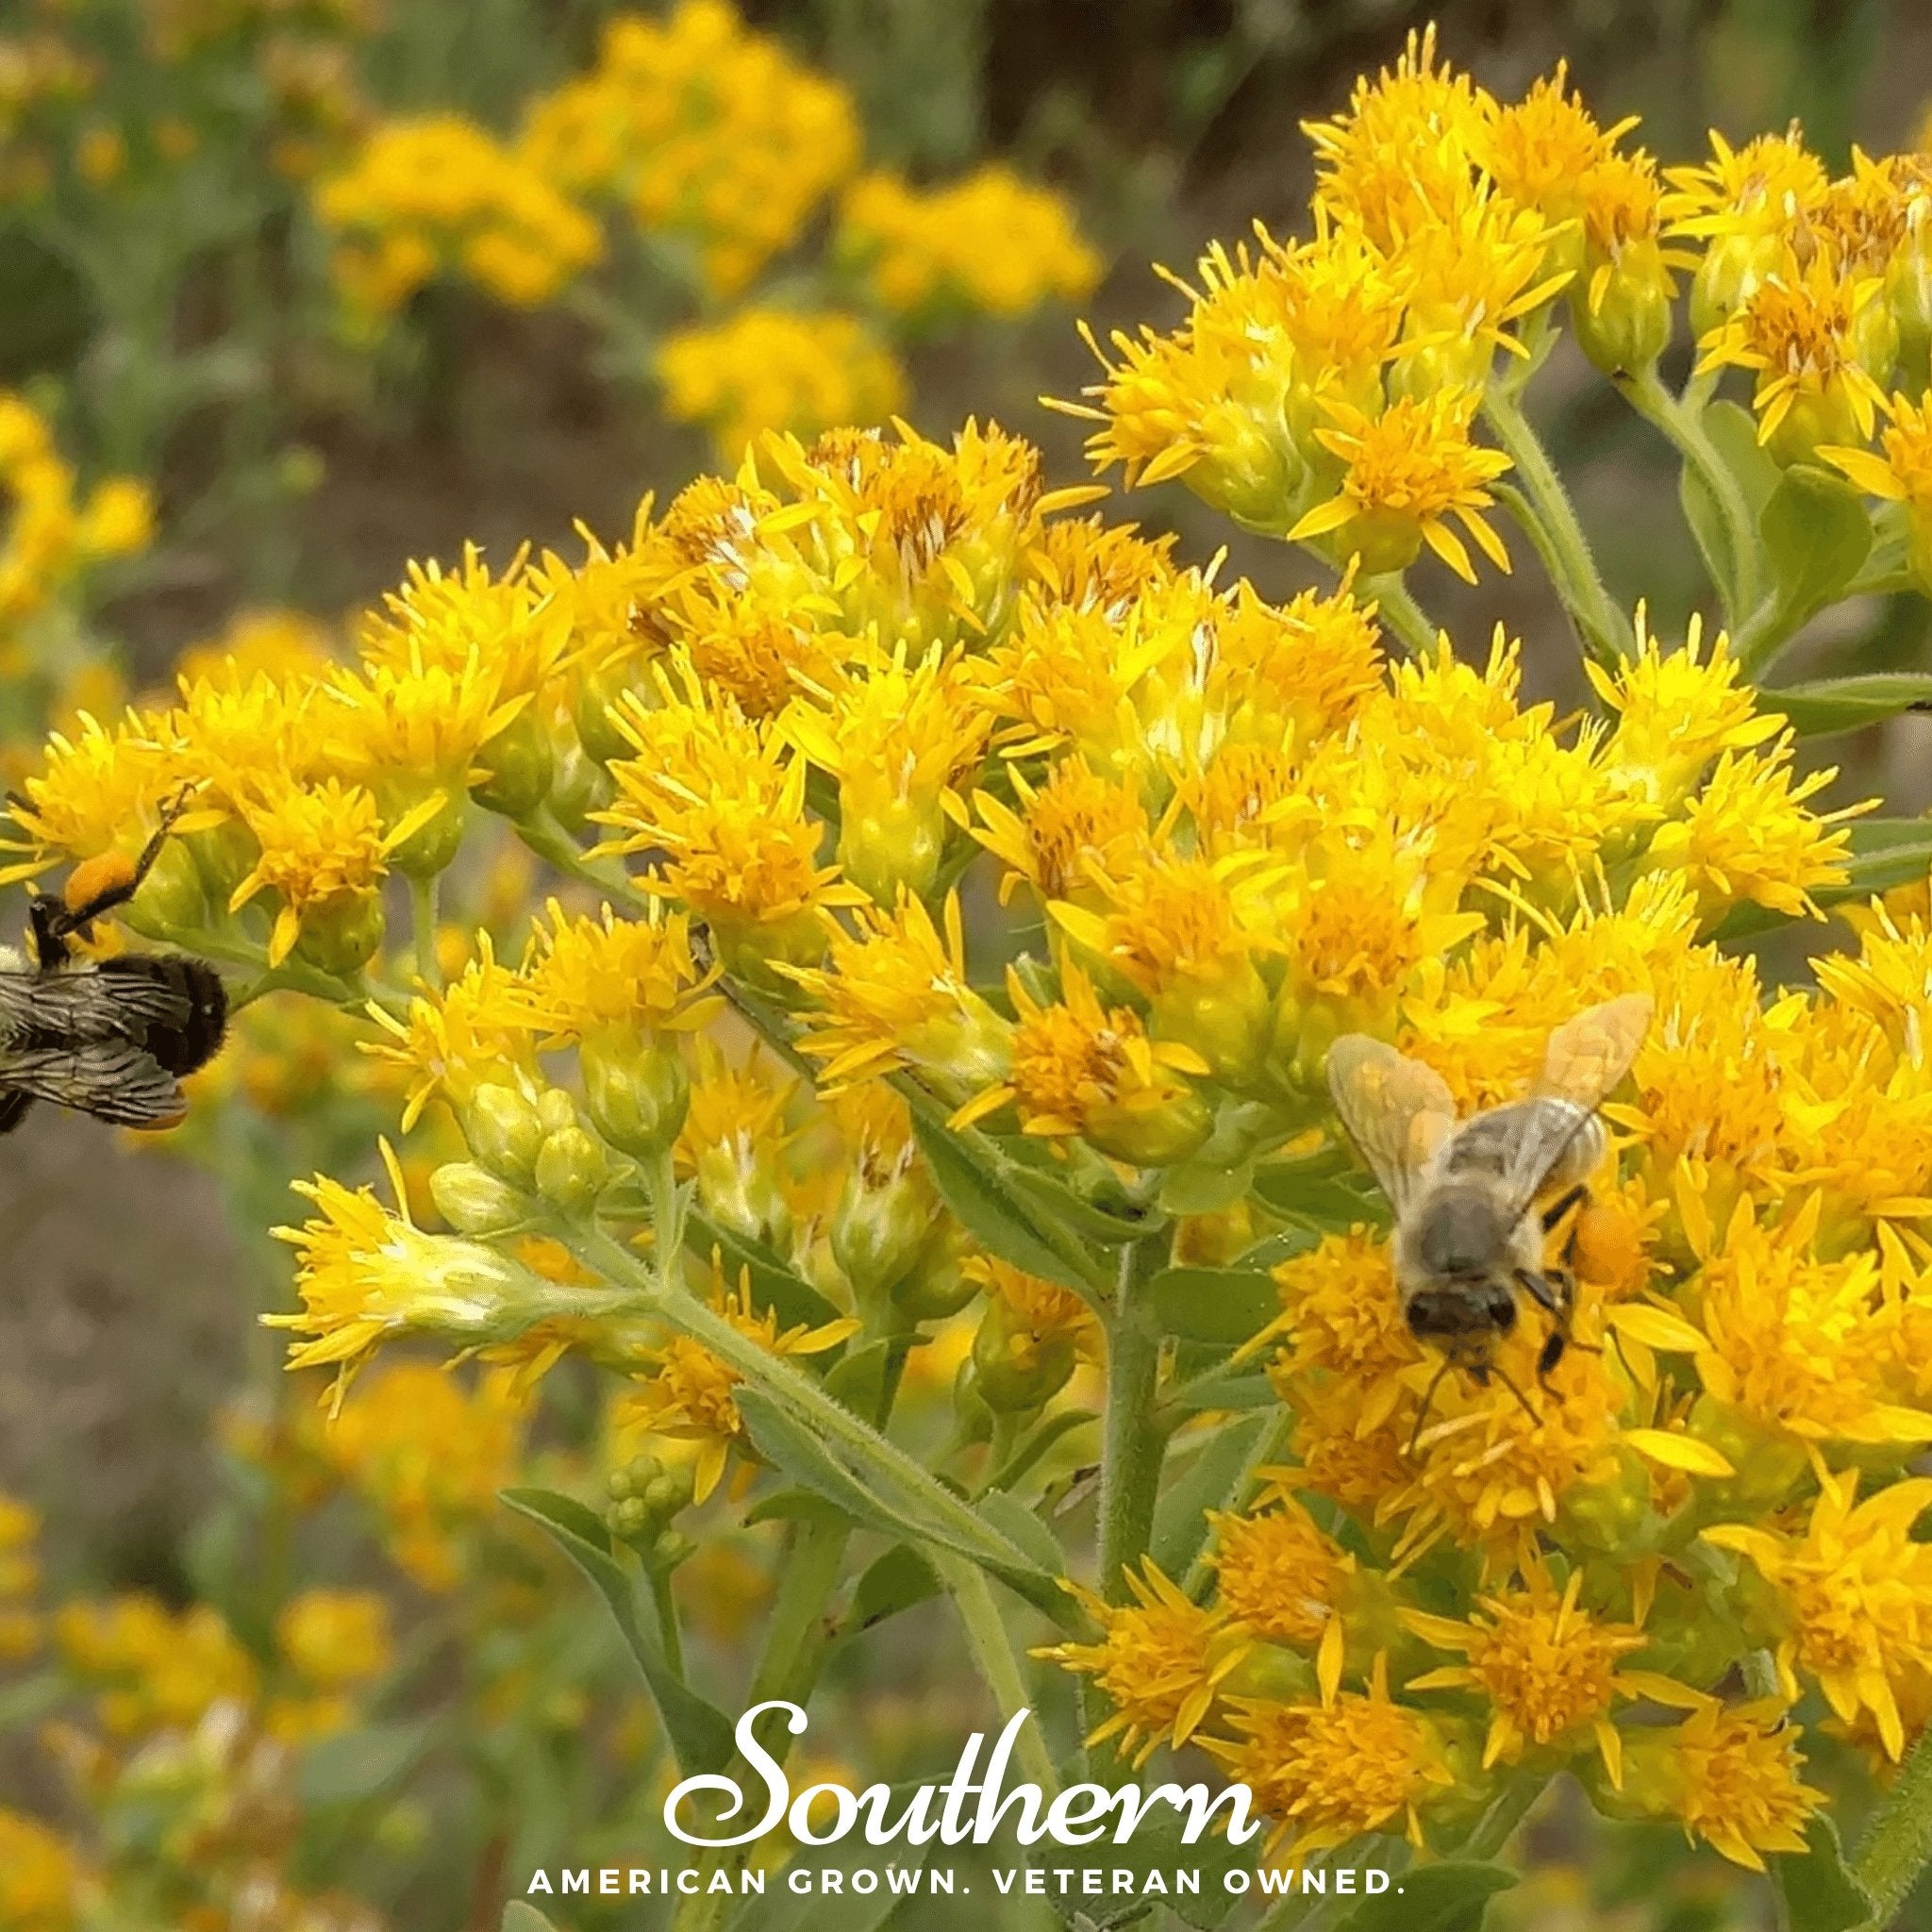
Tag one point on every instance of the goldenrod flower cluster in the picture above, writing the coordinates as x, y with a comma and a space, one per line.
54, 530
704, 130
991, 242
438, 194
942, 904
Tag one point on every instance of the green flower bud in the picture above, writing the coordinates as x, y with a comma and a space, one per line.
430, 848
880, 1226
474, 1201
670, 1549
572, 1170
596, 729
579, 787
889, 845
1018, 1370
505, 1132
516, 766
627, 1517
637, 1091
171, 895
342, 934
1630, 326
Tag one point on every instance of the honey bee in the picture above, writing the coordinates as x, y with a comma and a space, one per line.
1474, 1200
108, 1037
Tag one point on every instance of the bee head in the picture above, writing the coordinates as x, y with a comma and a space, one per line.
1460, 1310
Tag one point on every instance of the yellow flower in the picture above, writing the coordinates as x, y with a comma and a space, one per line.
335, 1637
1748, 835
1329, 1773
366, 1274
1547, 1665
1820, 341
703, 130
279, 645
1074, 825
1676, 711
687, 1393
1858, 1592
606, 971
769, 369
1730, 1774
898, 994
40, 1883
1079, 1068
1278, 1575
1902, 474
1159, 1661
155, 1670
321, 850
1405, 473
430, 1455
1032, 1333
438, 193
989, 241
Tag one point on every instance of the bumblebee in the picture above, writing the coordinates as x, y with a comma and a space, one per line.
1473, 1200
108, 1037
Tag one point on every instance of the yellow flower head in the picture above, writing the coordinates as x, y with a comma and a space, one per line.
687, 1393
1329, 1773
335, 1637
608, 972
1159, 1661
365, 1275
40, 1877
440, 620
1540, 149
989, 242
1730, 1774
1075, 824
896, 995
1547, 1665
777, 369
1405, 473
1858, 1590
155, 1670
1278, 1575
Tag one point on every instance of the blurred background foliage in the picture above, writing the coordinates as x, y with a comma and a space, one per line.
292, 291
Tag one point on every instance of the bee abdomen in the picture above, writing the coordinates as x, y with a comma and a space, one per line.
184, 1043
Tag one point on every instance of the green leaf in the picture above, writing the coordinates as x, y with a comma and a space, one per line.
1884, 853
1332, 1201
1842, 704
859, 1379
1817, 532
1273, 1249
700, 1734
1449, 1897
519, 1917
352, 1766
902, 1577
1211, 1481
1733, 433
1157, 1846
795, 1504
1240, 1391
1206, 1187
1819, 1892
790, 1297
1017, 1523
1057, 1203
1224, 1305
974, 1185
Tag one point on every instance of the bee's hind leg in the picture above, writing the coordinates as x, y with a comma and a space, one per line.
53, 921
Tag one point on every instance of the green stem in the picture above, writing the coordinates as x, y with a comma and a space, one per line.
1898, 1842
993, 1651
1399, 610
902, 1484
1132, 1444
667, 1218
422, 895
552, 843
668, 1631
1763, 634
1599, 624
1681, 423
1507, 1809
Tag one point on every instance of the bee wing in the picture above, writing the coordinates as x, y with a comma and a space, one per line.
112, 1079
97, 1004
1589, 1055
1585, 1059
1397, 1110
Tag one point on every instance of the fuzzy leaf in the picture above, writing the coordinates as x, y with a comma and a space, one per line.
1211, 1481
700, 1734
1449, 1897
1842, 704
1818, 1893
795, 1301
902, 1577
1817, 532
1225, 1304
519, 1917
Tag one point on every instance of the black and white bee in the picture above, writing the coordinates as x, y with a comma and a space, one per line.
108, 1037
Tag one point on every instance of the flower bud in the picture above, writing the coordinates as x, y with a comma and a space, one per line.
1018, 1369
505, 1132
1227, 1023
880, 1226
1622, 321
635, 1090
474, 1201
341, 934
596, 729
938, 1285
579, 787
433, 845
572, 1170
516, 765
888, 845
171, 895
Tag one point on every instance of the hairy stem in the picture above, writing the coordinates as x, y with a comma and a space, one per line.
422, 895
1133, 1443
1562, 545
993, 1651
1398, 609
1898, 1842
